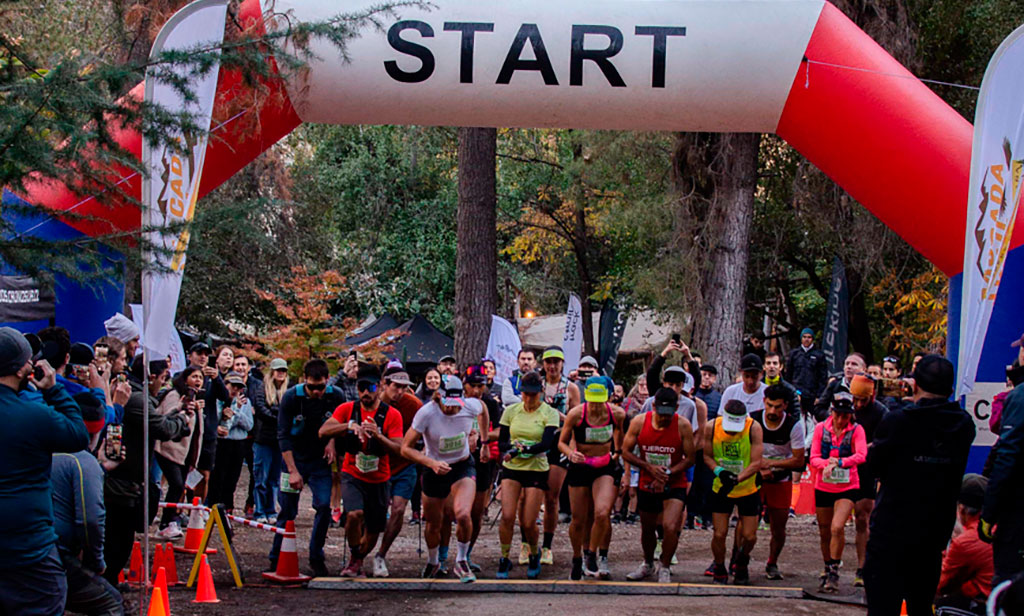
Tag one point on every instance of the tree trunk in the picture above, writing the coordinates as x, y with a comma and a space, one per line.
721, 175
476, 261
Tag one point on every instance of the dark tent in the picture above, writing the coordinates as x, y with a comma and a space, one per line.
382, 324
421, 343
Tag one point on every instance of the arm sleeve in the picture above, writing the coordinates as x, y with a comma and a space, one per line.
816, 460
285, 417
508, 394
546, 442
860, 448
64, 430
654, 373
504, 438
1006, 456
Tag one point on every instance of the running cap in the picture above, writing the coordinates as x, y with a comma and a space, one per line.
666, 401
234, 378
451, 390
122, 328
368, 373
476, 374
278, 364
446, 359
596, 389
734, 416
200, 347
935, 375
807, 331
397, 375
972, 490
554, 352
531, 383
842, 402
674, 374
588, 361
709, 368
751, 363
862, 385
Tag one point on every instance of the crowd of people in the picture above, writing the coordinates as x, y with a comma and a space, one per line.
883, 448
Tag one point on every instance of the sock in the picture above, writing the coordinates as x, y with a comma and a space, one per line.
505, 549
462, 551
577, 560
443, 553
432, 556
355, 553
771, 561
659, 532
603, 553
548, 538
469, 551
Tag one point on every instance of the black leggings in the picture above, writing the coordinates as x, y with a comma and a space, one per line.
175, 475
122, 522
227, 468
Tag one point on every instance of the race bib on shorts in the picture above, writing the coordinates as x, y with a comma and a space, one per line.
599, 435
452, 444
838, 475
366, 464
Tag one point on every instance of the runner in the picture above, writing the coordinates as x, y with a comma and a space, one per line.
783, 453
475, 386
367, 430
445, 425
528, 430
868, 413
665, 444
404, 475
560, 395
591, 435
837, 447
735, 458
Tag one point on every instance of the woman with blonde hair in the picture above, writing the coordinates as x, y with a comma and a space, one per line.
266, 451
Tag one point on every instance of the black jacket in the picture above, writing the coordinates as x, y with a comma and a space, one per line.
654, 373
1004, 499
919, 455
215, 390
807, 371
823, 405
299, 419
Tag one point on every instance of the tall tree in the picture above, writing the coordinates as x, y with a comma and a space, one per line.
476, 261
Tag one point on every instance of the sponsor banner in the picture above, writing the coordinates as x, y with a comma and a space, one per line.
997, 158
572, 338
613, 326
837, 320
170, 191
503, 347
24, 299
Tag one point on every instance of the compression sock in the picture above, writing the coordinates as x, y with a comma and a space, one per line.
505, 549
462, 551
443, 553
603, 553
533, 550
522, 534
432, 556
548, 539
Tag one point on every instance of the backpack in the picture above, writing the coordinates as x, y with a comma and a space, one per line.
349, 443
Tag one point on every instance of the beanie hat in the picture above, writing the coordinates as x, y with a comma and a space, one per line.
862, 385
121, 327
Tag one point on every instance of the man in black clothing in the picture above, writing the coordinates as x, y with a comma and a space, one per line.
214, 389
868, 412
919, 454
807, 370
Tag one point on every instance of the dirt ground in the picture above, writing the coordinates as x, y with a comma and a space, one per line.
800, 563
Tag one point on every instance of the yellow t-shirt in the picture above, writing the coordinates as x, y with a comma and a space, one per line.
528, 429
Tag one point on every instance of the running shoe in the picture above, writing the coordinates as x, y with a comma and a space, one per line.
771, 572
590, 565
475, 568
524, 554
380, 567
642, 572
464, 573
546, 557
710, 571
664, 575
442, 569
533, 567
831, 580
414, 519
504, 566
675, 561
336, 516
318, 568
858, 578
354, 569
430, 571
564, 518
720, 574
603, 572
657, 550
742, 576
170, 533
577, 570
632, 518
261, 519
616, 517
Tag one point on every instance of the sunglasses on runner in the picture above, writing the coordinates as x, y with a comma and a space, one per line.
316, 387
366, 386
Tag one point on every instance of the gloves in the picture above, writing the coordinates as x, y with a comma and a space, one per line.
986, 531
728, 480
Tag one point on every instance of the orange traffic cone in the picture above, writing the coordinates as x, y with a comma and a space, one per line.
158, 560
160, 594
287, 560
205, 591
194, 533
135, 568
903, 610
120, 577
171, 566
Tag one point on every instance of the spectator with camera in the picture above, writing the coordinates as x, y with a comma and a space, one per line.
234, 422
177, 458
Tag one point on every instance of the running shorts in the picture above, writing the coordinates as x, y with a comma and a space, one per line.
403, 484
440, 486
485, 475
654, 502
749, 505
527, 479
828, 499
778, 495
584, 475
370, 498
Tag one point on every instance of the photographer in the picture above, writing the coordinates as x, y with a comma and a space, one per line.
31, 575
234, 422
111, 366
177, 458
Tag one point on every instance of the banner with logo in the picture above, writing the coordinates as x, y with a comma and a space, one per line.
503, 347
24, 299
613, 326
170, 191
995, 192
572, 338
176, 354
837, 319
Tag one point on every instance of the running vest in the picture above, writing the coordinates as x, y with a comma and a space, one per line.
559, 400
845, 446
585, 432
777, 439
732, 452
349, 443
660, 448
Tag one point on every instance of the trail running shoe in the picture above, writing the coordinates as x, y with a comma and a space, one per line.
710, 571
720, 574
664, 575
354, 569
577, 570
463, 572
657, 550
642, 572
475, 568
831, 580
771, 572
380, 567
546, 557
603, 572
742, 575
858, 578
429, 571
590, 565
533, 567
524, 554
504, 566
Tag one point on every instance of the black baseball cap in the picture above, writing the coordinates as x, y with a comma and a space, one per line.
531, 383
935, 375
80, 354
368, 373
200, 347
842, 402
666, 401
709, 368
751, 363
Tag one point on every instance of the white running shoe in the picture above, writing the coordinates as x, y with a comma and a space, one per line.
640, 573
380, 567
524, 554
664, 575
603, 572
170, 533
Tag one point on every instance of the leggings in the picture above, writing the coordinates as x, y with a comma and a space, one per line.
175, 475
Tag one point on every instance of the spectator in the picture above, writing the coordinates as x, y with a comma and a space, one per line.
773, 376
527, 362
255, 394
125, 330
446, 365
919, 454
492, 372
345, 381
79, 519
431, 381
806, 370
966, 578
81, 378
122, 491
213, 391
232, 433
177, 458
853, 365
31, 575
707, 392
754, 344
875, 371
266, 451
618, 394
891, 367
112, 366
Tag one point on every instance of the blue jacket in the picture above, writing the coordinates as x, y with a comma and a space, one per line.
712, 398
78, 511
1004, 498
299, 419
32, 431
113, 412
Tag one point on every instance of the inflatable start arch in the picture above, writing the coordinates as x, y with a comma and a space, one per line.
798, 68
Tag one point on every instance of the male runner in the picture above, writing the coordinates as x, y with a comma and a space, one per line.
445, 424
475, 386
734, 456
664, 441
783, 434
369, 430
750, 389
527, 362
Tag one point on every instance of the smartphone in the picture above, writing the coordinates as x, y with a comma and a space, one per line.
101, 352
212, 362
677, 338
890, 388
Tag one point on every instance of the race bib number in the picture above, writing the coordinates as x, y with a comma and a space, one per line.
735, 466
663, 460
526, 443
452, 444
285, 486
599, 435
366, 464
838, 475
